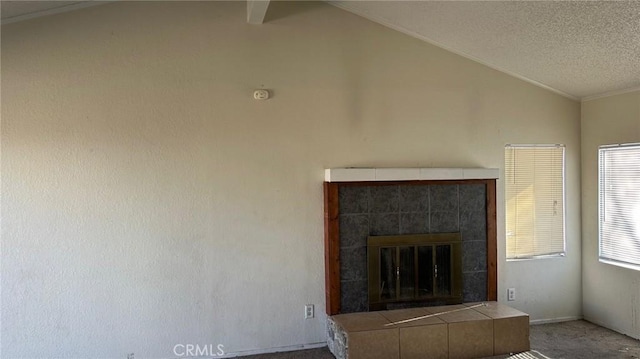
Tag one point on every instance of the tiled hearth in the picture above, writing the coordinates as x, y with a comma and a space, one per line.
473, 330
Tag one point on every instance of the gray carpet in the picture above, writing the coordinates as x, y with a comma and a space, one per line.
569, 340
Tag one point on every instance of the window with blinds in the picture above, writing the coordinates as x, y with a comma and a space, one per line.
534, 196
619, 205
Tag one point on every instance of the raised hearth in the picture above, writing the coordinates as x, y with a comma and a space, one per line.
473, 330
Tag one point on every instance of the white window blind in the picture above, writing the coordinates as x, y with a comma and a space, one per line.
619, 205
534, 195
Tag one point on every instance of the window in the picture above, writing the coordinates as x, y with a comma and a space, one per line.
619, 205
534, 196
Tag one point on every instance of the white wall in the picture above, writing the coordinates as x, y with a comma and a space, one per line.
611, 294
148, 200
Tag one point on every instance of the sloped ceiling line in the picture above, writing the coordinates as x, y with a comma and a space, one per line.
579, 49
405, 31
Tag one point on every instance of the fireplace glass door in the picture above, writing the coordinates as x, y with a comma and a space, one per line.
414, 268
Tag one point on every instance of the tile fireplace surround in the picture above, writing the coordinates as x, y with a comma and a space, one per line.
362, 202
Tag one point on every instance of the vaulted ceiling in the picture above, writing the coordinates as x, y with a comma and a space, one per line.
580, 49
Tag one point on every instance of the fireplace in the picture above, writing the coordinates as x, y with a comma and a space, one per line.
360, 210
414, 270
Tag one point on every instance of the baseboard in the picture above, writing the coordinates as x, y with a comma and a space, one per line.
554, 320
288, 348
608, 326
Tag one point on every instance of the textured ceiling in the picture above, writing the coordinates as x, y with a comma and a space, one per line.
579, 48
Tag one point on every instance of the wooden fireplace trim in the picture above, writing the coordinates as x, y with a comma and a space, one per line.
332, 235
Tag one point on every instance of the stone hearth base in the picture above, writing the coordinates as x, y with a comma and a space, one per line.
472, 330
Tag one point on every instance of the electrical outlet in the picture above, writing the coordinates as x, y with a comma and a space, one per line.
308, 311
511, 294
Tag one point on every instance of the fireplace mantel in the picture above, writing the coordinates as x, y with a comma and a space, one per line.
360, 174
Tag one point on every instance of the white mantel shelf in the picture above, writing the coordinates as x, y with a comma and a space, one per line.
407, 174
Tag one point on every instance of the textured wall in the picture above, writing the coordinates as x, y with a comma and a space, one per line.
611, 293
148, 200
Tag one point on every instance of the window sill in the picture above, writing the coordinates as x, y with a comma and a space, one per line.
549, 256
620, 264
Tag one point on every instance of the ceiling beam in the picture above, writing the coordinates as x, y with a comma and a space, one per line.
256, 10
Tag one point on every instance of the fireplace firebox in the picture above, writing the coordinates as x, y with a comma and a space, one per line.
408, 270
